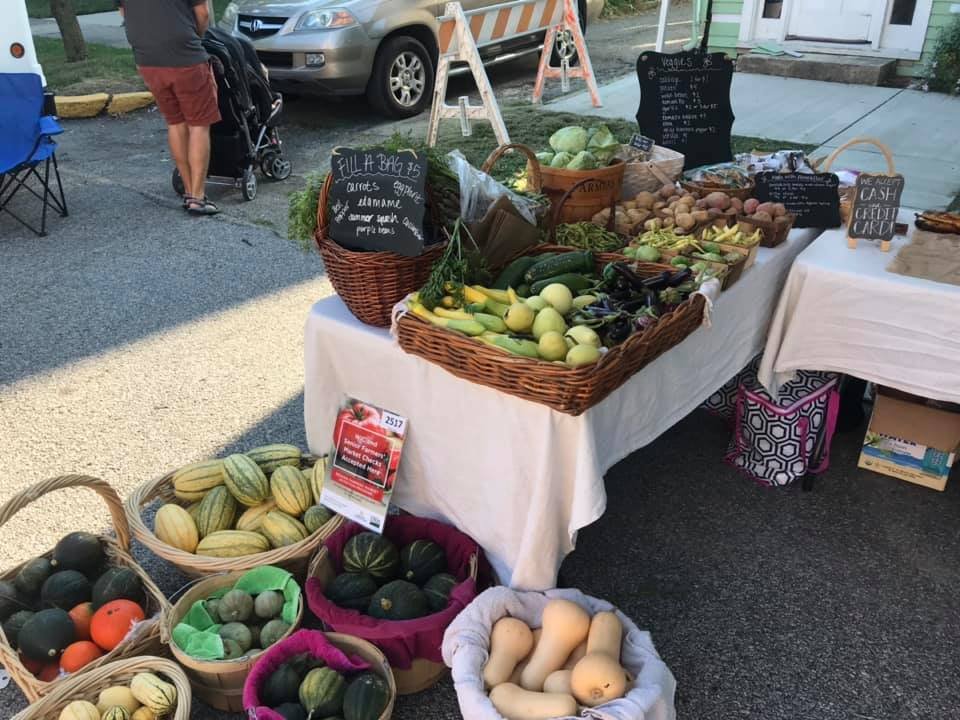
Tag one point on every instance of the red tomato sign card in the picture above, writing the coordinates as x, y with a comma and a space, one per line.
367, 443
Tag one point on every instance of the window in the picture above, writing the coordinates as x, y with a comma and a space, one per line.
772, 9
902, 13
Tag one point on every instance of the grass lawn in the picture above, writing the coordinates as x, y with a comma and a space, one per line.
41, 8
533, 128
106, 69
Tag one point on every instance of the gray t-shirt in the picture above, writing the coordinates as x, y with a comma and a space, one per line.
163, 33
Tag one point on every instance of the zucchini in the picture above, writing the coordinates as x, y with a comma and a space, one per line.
572, 262
512, 274
574, 281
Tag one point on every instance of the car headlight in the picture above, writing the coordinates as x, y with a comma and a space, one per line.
229, 16
326, 19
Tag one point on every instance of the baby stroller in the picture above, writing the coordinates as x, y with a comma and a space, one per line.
246, 135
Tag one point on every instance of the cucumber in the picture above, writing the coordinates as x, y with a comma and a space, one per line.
523, 290
467, 327
524, 348
512, 274
574, 281
490, 322
572, 262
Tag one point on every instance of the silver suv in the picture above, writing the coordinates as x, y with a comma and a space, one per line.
384, 48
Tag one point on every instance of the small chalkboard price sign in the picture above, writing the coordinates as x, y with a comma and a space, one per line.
685, 104
377, 200
876, 204
814, 198
642, 142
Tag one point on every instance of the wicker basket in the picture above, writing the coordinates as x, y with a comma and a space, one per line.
705, 189
663, 167
294, 558
87, 686
144, 640
534, 176
590, 198
219, 683
771, 233
846, 194
564, 389
370, 283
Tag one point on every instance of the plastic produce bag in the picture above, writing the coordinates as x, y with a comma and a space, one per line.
723, 174
478, 191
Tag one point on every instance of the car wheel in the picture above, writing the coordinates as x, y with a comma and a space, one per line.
401, 84
556, 59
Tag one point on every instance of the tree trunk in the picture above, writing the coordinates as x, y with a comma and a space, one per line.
74, 45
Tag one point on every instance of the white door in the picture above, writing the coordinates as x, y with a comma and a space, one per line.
906, 26
842, 21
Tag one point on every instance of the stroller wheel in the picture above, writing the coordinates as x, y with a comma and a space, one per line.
266, 163
248, 186
281, 168
177, 182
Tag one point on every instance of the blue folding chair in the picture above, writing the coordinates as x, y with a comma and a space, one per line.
27, 148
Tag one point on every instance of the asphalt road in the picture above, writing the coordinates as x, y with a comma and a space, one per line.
134, 339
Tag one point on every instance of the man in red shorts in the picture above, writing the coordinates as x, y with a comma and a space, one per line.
165, 37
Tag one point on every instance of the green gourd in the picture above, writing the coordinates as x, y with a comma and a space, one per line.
351, 590
371, 553
231, 650
45, 635
268, 604
322, 691
218, 511
11, 600
65, 590
117, 583
235, 606
316, 517
282, 686
32, 576
79, 551
272, 631
366, 698
14, 624
239, 633
421, 560
438, 589
291, 711
398, 600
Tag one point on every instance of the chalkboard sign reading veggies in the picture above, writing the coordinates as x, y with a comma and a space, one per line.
814, 198
876, 203
377, 200
685, 104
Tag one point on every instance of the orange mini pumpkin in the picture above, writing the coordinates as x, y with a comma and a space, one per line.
81, 616
111, 623
79, 654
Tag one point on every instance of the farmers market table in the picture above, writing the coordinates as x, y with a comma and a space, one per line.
518, 477
842, 311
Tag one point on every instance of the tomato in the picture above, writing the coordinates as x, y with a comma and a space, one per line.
358, 413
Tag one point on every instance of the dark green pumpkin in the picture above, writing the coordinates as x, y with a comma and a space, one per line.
373, 554
45, 635
79, 551
291, 711
351, 590
421, 560
322, 691
65, 590
398, 600
11, 600
32, 576
366, 698
118, 583
316, 517
283, 686
14, 624
438, 589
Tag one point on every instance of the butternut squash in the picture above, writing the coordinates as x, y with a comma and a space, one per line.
598, 679
510, 642
606, 632
558, 682
515, 703
576, 656
565, 625
518, 670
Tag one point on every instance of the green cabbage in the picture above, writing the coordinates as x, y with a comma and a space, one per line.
561, 160
569, 139
603, 144
583, 161
545, 158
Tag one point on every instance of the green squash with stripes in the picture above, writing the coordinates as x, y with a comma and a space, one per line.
438, 589
321, 692
291, 490
421, 560
245, 480
270, 457
373, 554
217, 511
367, 697
351, 590
316, 517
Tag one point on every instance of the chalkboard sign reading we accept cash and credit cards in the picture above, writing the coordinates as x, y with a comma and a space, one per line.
377, 200
685, 104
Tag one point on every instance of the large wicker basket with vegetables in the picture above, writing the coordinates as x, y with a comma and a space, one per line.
514, 366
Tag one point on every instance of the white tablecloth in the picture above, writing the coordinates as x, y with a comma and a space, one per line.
519, 477
842, 311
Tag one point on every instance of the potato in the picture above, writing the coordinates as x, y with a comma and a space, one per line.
686, 221
767, 208
634, 216
668, 211
660, 204
762, 216
669, 223
668, 191
701, 204
781, 220
599, 219
750, 205
779, 209
700, 216
718, 200
747, 228
645, 200
630, 205
737, 204
713, 213
653, 224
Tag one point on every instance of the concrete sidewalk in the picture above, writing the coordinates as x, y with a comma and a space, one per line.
915, 125
104, 28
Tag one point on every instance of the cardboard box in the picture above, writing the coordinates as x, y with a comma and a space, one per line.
912, 439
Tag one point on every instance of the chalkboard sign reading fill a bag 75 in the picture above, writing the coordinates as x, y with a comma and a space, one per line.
814, 198
685, 104
377, 200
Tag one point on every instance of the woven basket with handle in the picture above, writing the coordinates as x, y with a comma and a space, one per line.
293, 558
663, 167
565, 389
534, 176
143, 640
87, 686
846, 194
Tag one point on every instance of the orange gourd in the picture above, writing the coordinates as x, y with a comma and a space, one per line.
81, 616
79, 654
111, 623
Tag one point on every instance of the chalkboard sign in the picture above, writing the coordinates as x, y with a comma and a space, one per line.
876, 203
813, 197
685, 104
642, 142
377, 200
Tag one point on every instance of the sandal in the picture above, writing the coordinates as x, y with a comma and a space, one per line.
186, 200
202, 206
